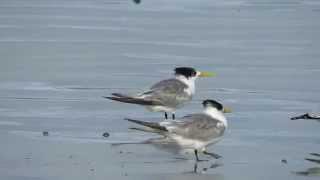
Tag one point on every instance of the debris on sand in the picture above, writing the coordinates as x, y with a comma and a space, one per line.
306, 116
45, 133
284, 161
205, 169
106, 134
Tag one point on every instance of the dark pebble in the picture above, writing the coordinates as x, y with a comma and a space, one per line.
204, 169
106, 134
284, 161
45, 133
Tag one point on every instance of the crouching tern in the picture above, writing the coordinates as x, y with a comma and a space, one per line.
167, 95
194, 132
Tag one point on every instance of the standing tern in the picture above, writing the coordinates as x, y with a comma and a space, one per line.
193, 132
167, 95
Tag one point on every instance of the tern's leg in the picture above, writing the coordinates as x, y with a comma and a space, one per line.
214, 155
165, 115
197, 158
173, 116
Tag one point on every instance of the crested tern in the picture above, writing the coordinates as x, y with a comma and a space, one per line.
193, 132
167, 95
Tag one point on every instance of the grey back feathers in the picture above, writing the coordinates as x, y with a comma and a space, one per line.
199, 126
170, 92
195, 126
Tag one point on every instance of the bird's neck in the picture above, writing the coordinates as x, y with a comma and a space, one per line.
190, 82
214, 113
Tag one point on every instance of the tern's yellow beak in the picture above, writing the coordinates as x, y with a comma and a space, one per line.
207, 74
227, 110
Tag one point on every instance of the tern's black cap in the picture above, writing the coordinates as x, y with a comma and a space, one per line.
185, 71
212, 103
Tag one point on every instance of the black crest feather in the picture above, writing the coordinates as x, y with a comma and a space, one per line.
185, 71
212, 103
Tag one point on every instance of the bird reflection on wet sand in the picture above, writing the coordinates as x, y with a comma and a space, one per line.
196, 170
164, 144
172, 147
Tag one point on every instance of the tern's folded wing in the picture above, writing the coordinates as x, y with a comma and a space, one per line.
197, 126
170, 92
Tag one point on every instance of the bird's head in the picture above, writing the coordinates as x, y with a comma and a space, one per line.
191, 73
215, 105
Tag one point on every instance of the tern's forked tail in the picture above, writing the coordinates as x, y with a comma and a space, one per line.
152, 125
132, 100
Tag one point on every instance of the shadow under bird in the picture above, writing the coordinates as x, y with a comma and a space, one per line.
167, 95
193, 132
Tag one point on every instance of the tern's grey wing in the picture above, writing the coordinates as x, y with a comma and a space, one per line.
169, 92
169, 85
198, 126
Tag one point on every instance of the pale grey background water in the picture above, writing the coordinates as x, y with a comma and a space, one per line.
59, 57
